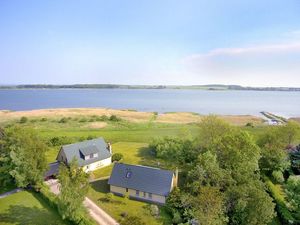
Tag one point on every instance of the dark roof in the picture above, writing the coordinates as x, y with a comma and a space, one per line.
88, 150
142, 178
53, 169
94, 146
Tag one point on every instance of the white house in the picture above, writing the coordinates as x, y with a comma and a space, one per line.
90, 154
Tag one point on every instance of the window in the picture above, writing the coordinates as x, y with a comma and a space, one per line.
137, 193
126, 189
144, 194
128, 174
150, 195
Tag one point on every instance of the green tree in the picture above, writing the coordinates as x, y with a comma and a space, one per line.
211, 130
206, 171
73, 188
273, 154
208, 206
238, 153
293, 196
250, 204
23, 156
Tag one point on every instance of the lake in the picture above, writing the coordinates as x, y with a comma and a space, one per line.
156, 100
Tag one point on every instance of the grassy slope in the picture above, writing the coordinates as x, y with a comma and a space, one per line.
27, 208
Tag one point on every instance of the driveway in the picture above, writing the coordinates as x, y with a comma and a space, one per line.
98, 214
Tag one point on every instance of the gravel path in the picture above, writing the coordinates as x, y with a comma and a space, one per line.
10, 192
98, 214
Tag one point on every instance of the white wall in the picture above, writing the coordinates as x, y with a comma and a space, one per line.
97, 165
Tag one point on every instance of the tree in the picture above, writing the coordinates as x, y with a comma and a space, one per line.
73, 188
211, 130
289, 131
174, 150
206, 171
23, 119
23, 156
250, 204
293, 196
238, 153
208, 207
273, 154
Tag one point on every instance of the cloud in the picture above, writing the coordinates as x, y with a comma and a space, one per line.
261, 65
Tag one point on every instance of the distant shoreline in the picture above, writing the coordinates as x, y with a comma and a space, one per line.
212, 87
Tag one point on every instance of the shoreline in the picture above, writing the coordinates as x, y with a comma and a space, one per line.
126, 114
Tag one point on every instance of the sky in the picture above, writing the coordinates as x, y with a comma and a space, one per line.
249, 42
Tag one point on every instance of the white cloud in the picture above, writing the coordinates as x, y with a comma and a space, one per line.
262, 65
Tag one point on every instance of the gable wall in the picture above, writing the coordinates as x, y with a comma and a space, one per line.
97, 165
132, 193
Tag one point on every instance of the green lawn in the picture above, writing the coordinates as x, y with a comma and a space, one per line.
121, 205
27, 208
134, 153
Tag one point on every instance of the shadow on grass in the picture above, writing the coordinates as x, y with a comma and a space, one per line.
100, 186
23, 215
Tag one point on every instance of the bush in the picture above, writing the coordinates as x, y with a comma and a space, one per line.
117, 157
278, 176
109, 197
63, 120
82, 120
132, 220
124, 214
48, 196
104, 118
114, 118
154, 210
57, 141
43, 119
90, 137
249, 124
176, 218
23, 119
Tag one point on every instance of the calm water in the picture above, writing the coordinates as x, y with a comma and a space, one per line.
204, 102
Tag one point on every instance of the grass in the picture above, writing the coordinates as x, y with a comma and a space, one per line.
120, 205
134, 153
27, 208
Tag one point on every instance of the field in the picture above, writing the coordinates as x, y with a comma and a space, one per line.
27, 208
129, 135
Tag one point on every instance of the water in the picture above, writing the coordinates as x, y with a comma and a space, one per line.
199, 101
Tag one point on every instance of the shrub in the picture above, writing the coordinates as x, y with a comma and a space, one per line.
57, 141
154, 210
104, 118
33, 121
132, 220
109, 197
63, 120
90, 137
114, 118
82, 120
91, 120
176, 218
43, 119
124, 214
249, 124
23, 119
278, 176
117, 157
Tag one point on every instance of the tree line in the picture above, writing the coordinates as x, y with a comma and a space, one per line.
224, 175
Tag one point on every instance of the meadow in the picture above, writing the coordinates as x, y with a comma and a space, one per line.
130, 137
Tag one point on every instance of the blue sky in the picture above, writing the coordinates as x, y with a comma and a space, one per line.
255, 43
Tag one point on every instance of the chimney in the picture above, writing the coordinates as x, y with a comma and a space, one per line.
175, 180
109, 147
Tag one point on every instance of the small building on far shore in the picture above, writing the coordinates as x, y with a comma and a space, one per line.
142, 183
90, 155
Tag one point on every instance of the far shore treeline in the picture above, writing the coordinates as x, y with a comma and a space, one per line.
122, 86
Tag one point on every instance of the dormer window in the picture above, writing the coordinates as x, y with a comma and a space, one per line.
89, 152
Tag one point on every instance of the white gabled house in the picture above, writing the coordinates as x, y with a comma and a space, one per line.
90, 154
